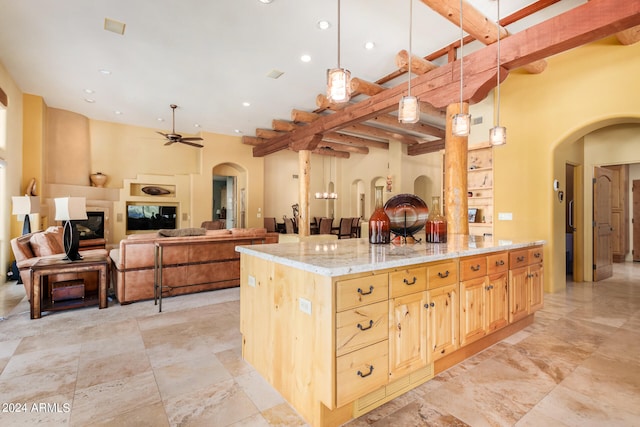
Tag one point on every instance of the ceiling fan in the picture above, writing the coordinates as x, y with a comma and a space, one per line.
174, 137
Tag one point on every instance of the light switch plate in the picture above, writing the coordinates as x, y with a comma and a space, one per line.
251, 281
505, 216
305, 305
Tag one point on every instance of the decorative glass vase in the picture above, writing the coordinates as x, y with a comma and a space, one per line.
379, 223
436, 227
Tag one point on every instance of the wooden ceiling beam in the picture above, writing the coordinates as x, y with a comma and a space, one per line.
252, 140
323, 151
583, 24
268, 133
364, 87
283, 125
355, 140
419, 65
425, 147
376, 132
477, 25
343, 147
629, 36
423, 128
299, 116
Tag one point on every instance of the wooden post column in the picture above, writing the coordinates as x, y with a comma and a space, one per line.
455, 175
304, 169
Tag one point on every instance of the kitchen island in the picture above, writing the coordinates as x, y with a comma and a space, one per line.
341, 327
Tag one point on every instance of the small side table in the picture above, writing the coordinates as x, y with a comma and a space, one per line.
45, 267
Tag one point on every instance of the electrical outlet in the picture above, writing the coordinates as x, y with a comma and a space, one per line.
505, 216
305, 305
251, 281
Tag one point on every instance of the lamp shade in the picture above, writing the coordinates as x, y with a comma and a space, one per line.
25, 205
461, 125
498, 135
71, 208
338, 85
409, 110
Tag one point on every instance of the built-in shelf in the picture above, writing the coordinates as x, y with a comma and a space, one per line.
480, 185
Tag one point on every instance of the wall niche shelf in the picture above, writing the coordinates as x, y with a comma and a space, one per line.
480, 187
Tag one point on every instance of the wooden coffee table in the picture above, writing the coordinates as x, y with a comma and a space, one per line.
45, 267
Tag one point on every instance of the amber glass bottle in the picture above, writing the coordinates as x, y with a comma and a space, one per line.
379, 223
436, 227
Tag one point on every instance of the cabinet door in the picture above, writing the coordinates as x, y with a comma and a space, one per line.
518, 294
407, 334
536, 287
472, 309
442, 321
497, 302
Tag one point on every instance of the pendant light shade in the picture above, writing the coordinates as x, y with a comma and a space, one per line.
498, 134
338, 85
461, 123
338, 79
409, 108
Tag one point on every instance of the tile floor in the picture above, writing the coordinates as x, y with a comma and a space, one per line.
577, 365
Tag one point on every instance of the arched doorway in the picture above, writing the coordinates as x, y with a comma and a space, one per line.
228, 186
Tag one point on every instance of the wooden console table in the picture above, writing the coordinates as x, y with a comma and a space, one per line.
45, 267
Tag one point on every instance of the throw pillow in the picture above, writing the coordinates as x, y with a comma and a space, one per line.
45, 244
182, 232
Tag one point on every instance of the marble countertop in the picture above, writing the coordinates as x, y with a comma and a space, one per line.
348, 256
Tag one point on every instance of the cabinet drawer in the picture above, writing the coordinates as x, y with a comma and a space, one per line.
362, 326
535, 255
361, 291
405, 282
442, 273
519, 258
497, 263
470, 268
361, 372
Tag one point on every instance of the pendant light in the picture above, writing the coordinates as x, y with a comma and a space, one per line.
326, 195
498, 134
409, 110
461, 125
338, 79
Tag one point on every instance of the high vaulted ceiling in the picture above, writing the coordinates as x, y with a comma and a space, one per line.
211, 56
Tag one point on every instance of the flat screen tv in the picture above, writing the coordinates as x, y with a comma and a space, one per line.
147, 216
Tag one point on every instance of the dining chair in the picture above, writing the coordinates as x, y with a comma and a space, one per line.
270, 224
325, 225
289, 226
355, 227
344, 231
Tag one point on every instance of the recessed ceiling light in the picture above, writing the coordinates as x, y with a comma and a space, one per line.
89, 91
324, 25
305, 58
105, 72
274, 74
265, 1
237, 131
369, 45
246, 104
89, 100
196, 125
118, 112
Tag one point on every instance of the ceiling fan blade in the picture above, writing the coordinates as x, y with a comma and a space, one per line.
169, 142
193, 144
192, 138
163, 134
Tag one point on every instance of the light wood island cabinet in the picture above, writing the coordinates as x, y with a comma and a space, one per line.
342, 328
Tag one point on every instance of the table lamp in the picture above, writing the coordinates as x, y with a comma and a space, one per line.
70, 209
25, 205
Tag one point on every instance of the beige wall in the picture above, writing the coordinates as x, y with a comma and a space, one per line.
581, 91
11, 154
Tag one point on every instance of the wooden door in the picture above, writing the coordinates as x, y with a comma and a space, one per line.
472, 309
407, 334
602, 247
442, 321
497, 305
636, 220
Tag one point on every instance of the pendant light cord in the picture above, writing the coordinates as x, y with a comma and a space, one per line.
461, 57
338, 33
410, 42
498, 62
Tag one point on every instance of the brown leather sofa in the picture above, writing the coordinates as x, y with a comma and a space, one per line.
190, 263
28, 249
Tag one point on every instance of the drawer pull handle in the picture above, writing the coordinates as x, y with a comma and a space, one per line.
499, 263
443, 275
364, 328
361, 375
476, 268
520, 258
537, 255
366, 293
413, 282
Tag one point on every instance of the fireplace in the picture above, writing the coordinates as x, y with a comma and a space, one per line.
92, 227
